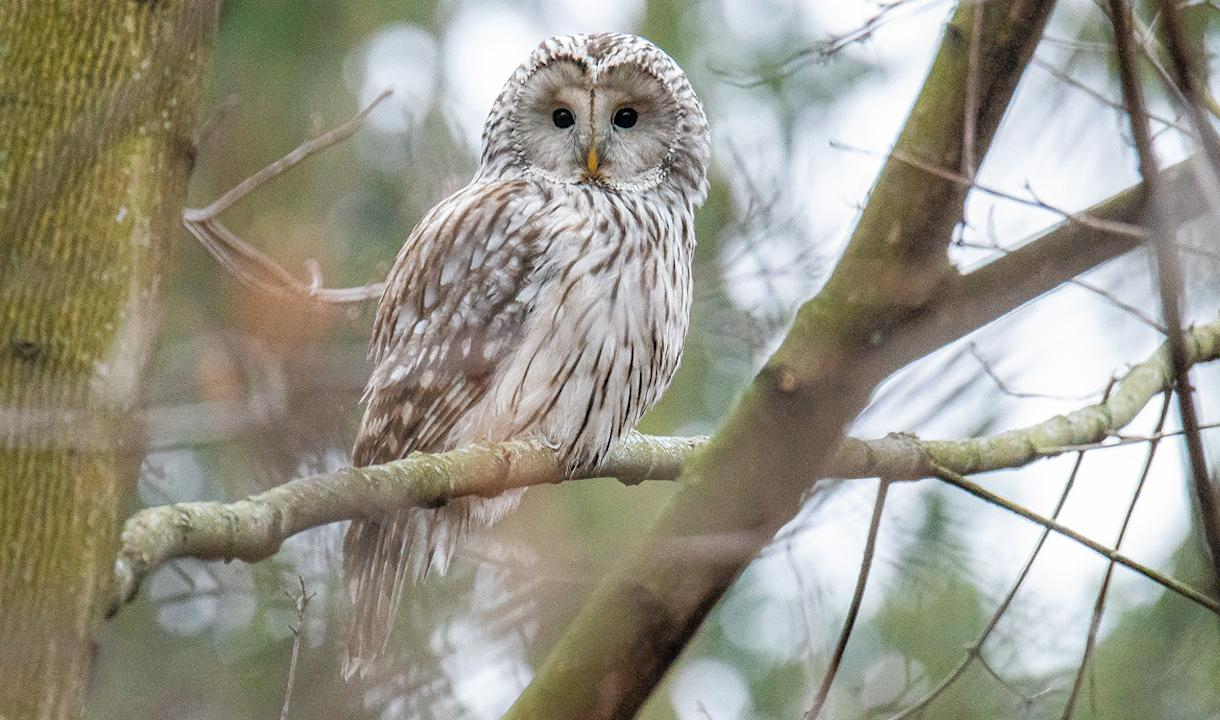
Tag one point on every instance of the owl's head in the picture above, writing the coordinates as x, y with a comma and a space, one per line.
607, 109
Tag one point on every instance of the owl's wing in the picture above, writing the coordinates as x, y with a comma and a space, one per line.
454, 305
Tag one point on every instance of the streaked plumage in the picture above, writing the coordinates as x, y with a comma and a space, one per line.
546, 300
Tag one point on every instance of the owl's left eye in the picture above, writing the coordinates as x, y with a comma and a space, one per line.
625, 117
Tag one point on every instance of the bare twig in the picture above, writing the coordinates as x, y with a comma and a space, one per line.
1005, 388
1169, 270
1152, 52
300, 602
1099, 605
1191, 96
821, 50
1187, 79
1198, 597
853, 610
250, 265
1083, 219
1025, 699
1121, 304
1063, 77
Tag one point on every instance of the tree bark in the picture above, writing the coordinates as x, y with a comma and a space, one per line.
97, 103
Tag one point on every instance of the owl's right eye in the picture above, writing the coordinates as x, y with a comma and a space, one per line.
563, 118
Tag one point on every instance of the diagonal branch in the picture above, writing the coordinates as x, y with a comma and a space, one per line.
1168, 263
968, 302
959, 481
857, 599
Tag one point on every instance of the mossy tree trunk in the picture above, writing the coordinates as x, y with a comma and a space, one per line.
97, 102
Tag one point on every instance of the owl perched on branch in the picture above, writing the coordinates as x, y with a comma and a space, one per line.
547, 300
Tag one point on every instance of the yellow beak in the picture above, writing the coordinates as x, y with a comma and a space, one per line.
591, 160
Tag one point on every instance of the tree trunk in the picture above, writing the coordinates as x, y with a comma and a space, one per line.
97, 101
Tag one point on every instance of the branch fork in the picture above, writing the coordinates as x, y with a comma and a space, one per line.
251, 266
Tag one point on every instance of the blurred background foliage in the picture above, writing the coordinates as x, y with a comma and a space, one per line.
248, 390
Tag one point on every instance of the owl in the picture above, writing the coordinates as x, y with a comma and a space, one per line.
547, 300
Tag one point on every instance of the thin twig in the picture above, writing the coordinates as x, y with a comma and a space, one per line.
1121, 304
300, 602
1083, 219
853, 610
821, 50
1192, 97
250, 265
1187, 79
1004, 683
1099, 605
1180, 588
300, 153
1066, 79
1005, 388
1190, 100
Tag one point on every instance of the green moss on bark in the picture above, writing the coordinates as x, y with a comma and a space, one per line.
96, 107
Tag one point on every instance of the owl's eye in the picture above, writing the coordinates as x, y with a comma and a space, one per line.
563, 118
625, 117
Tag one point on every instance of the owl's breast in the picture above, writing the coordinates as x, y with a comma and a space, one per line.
605, 332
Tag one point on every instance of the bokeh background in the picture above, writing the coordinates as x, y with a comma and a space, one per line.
249, 390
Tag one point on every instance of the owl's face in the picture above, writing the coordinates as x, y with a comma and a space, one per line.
606, 109
579, 123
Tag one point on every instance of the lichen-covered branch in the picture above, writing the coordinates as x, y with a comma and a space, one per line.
254, 528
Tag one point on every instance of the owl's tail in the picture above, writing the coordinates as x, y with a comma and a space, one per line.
380, 556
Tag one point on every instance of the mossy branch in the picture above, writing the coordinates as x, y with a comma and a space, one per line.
254, 528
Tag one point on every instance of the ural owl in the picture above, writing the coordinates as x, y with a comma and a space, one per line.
547, 300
